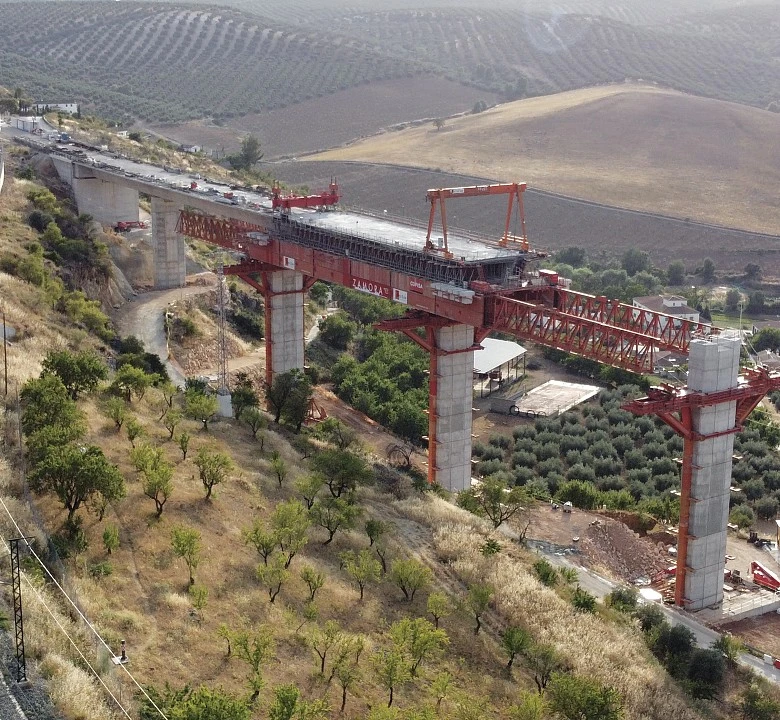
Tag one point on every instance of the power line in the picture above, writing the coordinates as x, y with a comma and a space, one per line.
70, 639
80, 613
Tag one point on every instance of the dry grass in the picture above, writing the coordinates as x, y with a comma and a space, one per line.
38, 327
614, 654
624, 145
73, 690
145, 600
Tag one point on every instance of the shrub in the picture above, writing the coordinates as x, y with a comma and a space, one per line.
545, 572
623, 599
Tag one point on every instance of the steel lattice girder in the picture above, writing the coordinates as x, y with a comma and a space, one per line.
667, 331
229, 234
592, 339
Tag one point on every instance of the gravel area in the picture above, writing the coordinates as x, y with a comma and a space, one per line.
30, 702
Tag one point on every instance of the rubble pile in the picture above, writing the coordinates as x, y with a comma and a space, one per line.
205, 354
610, 544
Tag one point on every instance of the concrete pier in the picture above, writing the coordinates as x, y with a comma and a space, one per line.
170, 261
450, 422
713, 366
283, 322
107, 202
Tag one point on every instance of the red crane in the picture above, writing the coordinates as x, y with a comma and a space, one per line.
286, 202
514, 191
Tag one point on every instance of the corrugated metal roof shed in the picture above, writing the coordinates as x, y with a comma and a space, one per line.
495, 353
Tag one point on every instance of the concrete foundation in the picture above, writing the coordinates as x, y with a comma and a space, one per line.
713, 365
452, 367
284, 322
225, 404
170, 261
107, 202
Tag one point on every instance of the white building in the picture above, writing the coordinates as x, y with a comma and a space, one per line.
669, 305
28, 124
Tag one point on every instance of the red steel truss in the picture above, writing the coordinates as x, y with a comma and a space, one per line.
675, 407
230, 234
608, 331
667, 331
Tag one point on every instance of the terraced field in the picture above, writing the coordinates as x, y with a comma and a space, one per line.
174, 62
715, 56
171, 63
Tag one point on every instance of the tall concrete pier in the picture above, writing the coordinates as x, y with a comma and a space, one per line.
170, 261
713, 366
450, 422
284, 333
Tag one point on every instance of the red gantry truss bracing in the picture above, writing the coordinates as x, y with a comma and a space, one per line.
287, 202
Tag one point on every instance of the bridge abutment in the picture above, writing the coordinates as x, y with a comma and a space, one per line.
713, 366
284, 335
451, 400
170, 260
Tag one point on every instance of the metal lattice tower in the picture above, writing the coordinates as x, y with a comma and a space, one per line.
222, 335
16, 590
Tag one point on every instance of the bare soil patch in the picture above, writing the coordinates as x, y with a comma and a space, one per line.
761, 632
335, 119
625, 145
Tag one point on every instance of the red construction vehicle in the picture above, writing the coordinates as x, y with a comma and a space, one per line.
764, 577
127, 225
286, 202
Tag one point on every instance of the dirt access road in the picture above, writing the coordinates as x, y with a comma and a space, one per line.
143, 318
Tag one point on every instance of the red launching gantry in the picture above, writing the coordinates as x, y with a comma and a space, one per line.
286, 202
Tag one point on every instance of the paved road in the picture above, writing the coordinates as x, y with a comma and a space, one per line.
600, 587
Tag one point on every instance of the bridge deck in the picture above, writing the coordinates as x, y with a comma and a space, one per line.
464, 246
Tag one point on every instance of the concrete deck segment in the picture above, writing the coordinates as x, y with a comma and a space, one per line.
451, 406
170, 261
713, 366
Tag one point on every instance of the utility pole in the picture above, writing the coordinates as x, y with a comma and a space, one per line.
223, 391
222, 336
16, 591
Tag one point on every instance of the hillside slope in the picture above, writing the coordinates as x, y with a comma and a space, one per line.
169, 63
141, 592
625, 145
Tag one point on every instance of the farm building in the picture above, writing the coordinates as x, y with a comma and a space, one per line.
28, 124
497, 364
44, 107
668, 304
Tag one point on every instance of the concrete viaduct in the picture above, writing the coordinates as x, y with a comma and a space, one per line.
454, 300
